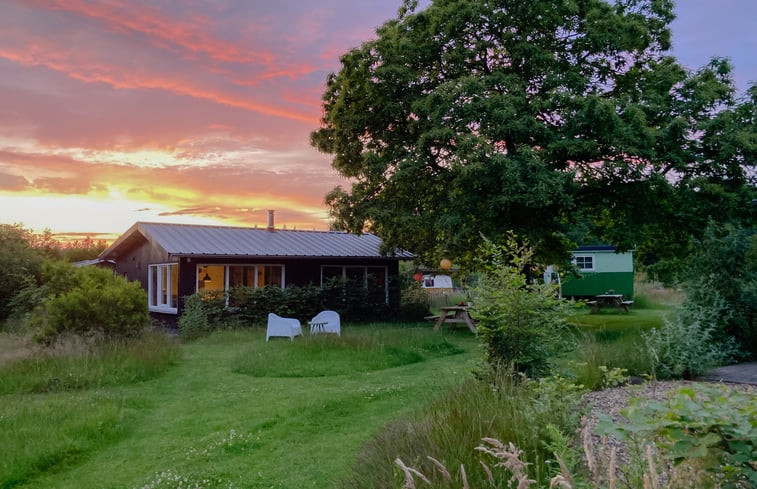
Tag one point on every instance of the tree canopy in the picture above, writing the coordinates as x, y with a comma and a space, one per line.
562, 120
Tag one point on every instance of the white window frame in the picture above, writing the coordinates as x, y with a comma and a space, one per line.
163, 302
582, 267
365, 275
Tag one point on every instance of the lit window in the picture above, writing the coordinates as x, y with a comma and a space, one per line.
224, 277
163, 287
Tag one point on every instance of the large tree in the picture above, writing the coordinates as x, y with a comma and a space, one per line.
546, 117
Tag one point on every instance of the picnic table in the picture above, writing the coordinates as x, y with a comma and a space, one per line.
454, 314
609, 300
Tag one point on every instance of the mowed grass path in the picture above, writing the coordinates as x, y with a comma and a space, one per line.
228, 414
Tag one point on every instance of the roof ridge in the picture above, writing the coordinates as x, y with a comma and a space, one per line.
246, 228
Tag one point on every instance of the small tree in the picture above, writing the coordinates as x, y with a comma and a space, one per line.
521, 322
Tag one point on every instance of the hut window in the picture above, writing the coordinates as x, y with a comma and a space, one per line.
584, 262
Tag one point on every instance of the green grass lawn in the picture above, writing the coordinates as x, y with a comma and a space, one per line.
233, 411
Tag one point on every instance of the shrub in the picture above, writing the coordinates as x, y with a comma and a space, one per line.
522, 324
95, 301
722, 273
691, 342
194, 321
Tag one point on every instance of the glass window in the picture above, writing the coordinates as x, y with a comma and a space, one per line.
241, 276
330, 273
584, 262
211, 277
163, 287
272, 275
372, 277
355, 275
223, 277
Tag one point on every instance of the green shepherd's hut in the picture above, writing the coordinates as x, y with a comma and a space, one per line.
601, 269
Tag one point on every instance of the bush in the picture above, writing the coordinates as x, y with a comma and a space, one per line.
194, 321
722, 273
691, 343
522, 324
91, 300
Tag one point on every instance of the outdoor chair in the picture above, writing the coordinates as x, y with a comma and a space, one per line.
326, 322
279, 326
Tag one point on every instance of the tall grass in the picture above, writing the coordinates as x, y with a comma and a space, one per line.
611, 339
77, 364
357, 350
653, 294
537, 416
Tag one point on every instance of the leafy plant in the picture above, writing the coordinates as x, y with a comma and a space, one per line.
691, 342
521, 323
193, 322
722, 276
715, 426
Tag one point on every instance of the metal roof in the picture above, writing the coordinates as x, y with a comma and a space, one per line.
600, 247
221, 241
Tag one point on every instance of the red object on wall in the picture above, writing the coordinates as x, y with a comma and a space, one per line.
418, 276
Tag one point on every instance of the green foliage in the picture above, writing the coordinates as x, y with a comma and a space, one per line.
91, 300
690, 343
194, 322
541, 117
522, 324
721, 276
714, 425
535, 415
717, 316
82, 249
414, 303
20, 264
76, 365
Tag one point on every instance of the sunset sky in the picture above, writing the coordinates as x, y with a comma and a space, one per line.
116, 111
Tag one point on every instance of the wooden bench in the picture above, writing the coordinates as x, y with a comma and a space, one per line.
435, 317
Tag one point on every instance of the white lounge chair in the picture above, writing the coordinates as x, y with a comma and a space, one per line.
326, 322
279, 326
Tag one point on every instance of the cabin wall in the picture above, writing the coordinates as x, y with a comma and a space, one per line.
133, 263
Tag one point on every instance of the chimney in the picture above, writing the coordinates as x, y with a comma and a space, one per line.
270, 220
